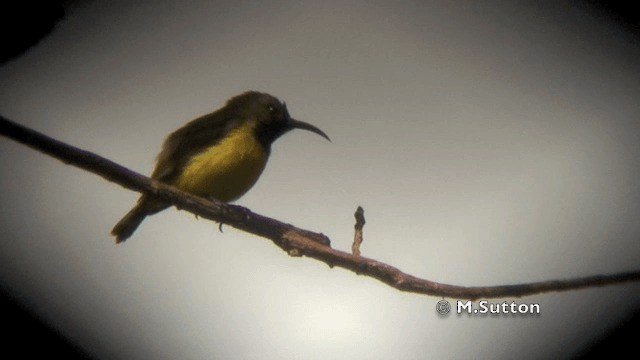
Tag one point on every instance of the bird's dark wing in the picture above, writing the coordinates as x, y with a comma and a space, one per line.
181, 145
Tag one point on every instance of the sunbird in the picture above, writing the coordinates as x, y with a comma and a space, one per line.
219, 155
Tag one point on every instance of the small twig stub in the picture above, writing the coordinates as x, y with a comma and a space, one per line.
357, 238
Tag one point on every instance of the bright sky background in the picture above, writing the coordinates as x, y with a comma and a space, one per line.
488, 144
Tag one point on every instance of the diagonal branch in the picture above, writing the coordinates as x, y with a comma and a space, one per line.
295, 241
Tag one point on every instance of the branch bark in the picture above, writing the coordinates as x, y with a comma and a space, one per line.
293, 240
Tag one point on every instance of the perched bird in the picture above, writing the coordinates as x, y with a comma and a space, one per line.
219, 155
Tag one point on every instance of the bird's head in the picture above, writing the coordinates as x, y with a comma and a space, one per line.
270, 114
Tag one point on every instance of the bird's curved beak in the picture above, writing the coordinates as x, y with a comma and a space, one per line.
297, 124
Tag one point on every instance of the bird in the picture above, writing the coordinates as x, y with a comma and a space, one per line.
219, 155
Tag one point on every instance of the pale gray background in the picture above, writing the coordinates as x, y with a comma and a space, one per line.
488, 144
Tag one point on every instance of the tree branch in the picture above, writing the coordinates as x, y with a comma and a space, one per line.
295, 241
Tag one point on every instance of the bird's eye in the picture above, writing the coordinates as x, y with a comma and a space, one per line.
272, 109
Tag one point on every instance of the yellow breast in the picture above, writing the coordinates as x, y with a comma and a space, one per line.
226, 170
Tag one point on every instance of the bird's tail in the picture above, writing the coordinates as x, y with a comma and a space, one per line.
130, 222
